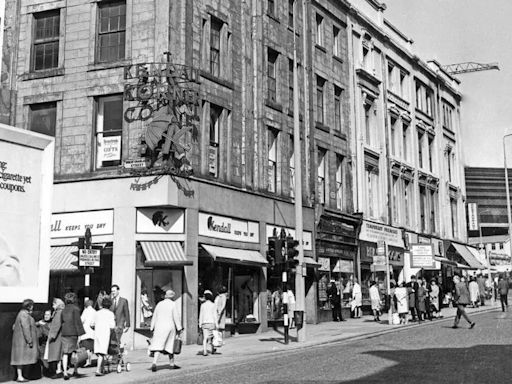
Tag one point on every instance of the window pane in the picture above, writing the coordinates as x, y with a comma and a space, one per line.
43, 117
109, 125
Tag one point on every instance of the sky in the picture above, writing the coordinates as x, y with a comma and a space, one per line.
454, 31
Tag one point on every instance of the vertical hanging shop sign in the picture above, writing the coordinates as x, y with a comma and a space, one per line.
166, 97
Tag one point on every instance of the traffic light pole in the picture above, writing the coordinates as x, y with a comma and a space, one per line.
299, 278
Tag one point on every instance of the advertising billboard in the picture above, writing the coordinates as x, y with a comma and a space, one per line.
26, 179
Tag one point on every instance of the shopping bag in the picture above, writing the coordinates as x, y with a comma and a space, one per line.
79, 357
217, 338
177, 346
395, 319
200, 337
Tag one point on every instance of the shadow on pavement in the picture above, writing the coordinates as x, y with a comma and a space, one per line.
477, 364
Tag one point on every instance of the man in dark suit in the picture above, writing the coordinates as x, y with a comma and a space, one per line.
461, 299
121, 311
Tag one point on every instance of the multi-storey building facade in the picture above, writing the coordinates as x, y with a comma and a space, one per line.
374, 144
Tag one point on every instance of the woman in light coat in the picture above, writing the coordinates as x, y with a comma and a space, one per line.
357, 299
402, 302
220, 306
165, 323
87, 340
24, 340
54, 344
208, 321
474, 292
103, 323
434, 298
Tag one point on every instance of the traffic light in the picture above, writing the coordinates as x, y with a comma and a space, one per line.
291, 253
271, 253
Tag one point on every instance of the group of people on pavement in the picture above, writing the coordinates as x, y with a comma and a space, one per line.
351, 292
63, 330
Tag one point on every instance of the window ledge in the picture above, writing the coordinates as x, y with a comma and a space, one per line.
215, 79
113, 64
42, 74
272, 104
338, 59
320, 48
273, 17
321, 126
341, 135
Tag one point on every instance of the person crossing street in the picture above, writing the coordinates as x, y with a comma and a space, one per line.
503, 290
461, 300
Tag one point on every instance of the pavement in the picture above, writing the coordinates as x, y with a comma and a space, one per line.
241, 348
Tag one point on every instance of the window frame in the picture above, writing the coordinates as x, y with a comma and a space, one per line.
43, 41
214, 142
272, 70
319, 35
320, 100
340, 161
100, 6
338, 108
336, 41
291, 14
40, 106
100, 117
272, 158
215, 66
322, 174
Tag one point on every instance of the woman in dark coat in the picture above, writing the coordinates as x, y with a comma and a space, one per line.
43, 330
24, 340
54, 345
72, 327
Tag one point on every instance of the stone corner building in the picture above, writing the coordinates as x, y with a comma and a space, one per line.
380, 142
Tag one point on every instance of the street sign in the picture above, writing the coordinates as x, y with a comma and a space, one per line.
89, 258
422, 256
135, 164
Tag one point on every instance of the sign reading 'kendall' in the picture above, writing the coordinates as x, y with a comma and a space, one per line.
228, 228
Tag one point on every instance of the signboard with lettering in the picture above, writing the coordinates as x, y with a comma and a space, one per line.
160, 220
379, 260
306, 235
222, 227
374, 232
109, 148
472, 217
422, 256
26, 184
325, 264
89, 258
74, 224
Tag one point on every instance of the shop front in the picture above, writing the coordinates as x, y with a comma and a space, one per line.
336, 247
230, 260
68, 273
466, 263
370, 235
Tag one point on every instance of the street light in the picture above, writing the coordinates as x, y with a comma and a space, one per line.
509, 215
481, 245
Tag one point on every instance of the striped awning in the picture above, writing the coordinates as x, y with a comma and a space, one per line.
164, 254
233, 255
61, 258
310, 262
468, 256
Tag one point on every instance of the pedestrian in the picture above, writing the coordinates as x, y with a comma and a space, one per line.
402, 302
121, 312
422, 300
434, 299
289, 299
145, 308
335, 300
461, 300
72, 328
357, 299
412, 290
220, 307
245, 294
503, 289
24, 349
474, 293
165, 325
43, 330
207, 321
87, 339
101, 295
375, 300
480, 280
54, 345
104, 322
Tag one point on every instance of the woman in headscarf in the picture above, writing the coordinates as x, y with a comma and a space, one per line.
72, 328
165, 323
43, 329
24, 340
54, 345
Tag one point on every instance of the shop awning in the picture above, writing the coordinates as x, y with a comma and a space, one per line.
164, 254
233, 255
468, 256
62, 258
446, 261
310, 262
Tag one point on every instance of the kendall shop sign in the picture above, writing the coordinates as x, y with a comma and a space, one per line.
227, 228
74, 224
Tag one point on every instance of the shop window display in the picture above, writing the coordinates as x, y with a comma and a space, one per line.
151, 286
339, 270
242, 284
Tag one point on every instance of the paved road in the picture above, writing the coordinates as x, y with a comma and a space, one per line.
435, 353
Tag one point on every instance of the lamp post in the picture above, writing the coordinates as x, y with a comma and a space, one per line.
481, 245
509, 215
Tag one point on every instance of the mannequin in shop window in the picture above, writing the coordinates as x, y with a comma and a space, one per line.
245, 300
146, 308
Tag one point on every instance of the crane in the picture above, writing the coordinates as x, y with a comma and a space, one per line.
469, 66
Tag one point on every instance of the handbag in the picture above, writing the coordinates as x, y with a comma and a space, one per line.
79, 357
200, 337
177, 346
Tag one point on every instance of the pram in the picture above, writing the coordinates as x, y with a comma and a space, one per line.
116, 354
